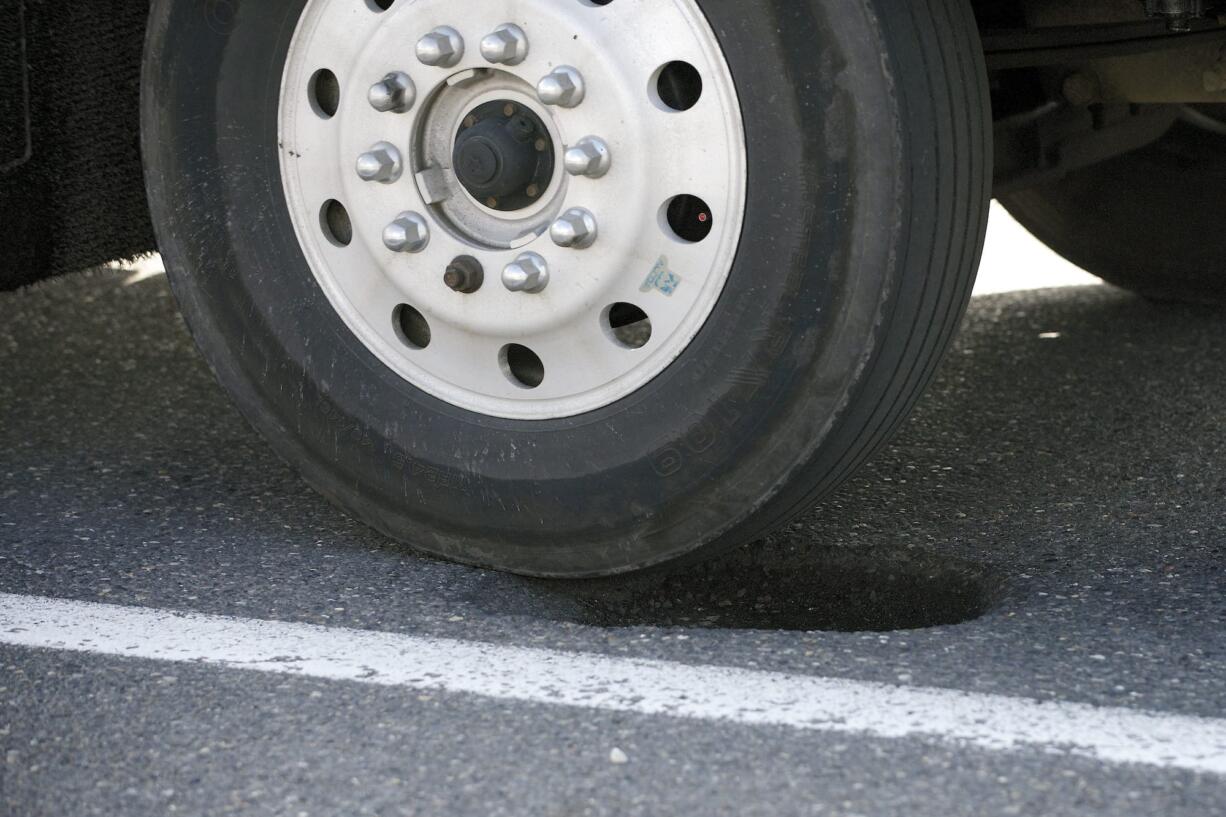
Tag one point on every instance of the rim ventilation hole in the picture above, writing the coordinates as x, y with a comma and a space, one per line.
380, 5
628, 325
324, 91
679, 86
597, 2
522, 366
411, 327
689, 218
335, 223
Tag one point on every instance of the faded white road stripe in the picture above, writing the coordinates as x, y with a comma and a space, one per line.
993, 722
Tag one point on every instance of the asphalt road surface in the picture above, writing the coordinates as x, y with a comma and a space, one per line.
1048, 533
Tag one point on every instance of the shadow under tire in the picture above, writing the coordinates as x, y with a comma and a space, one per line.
1148, 221
867, 131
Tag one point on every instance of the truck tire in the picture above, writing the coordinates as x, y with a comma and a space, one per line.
570, 289
1148, 221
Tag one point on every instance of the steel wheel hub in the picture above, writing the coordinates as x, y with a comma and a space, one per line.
527, 209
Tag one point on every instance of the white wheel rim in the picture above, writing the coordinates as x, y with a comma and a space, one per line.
637, 258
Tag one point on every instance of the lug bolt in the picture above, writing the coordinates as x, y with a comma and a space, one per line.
528, 273
380, 164
395, 93
408, 233
576, 228
443, 47
589, 157
564, 87
464, 274
508, 45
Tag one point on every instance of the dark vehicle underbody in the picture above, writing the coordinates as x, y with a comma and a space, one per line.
71, 181
71, 186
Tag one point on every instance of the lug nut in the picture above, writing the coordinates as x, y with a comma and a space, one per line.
408, 233
528, 273
563, 87
442, 47
395, 93
576, 228
589, 157
380, 164
508, 45
464, 274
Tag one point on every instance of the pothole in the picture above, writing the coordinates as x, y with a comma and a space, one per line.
834, 589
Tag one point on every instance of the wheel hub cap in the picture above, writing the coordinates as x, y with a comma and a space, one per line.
503, 156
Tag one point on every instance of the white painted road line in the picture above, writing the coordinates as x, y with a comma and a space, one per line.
991, 722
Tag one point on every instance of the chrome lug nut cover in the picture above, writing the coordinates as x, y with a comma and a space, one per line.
563, 87
507, 45
382, 163
528, 273
408, 233
590, 157
443, 48
576, 229
395, 93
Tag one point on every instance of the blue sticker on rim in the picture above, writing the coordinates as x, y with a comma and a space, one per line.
661, 278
